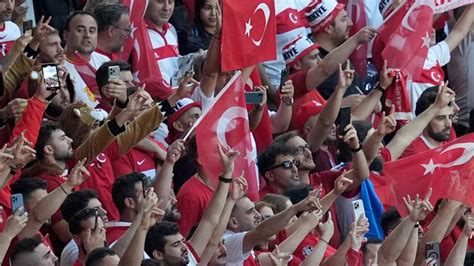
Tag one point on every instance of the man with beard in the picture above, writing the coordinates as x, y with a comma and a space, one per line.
9, 31
80, 34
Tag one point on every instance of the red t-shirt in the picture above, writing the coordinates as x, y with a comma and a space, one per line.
325, 160
302, 94
115, 230
192, 199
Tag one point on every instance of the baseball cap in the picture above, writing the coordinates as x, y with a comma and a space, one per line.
306, 111
320, 13
297, 48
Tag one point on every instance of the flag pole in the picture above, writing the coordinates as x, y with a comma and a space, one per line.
198, 121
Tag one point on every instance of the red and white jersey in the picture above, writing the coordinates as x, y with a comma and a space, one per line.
8, 35
165, 48
290, 22
83, 92
432, 74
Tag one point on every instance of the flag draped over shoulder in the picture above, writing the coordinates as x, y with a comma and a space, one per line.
248, 33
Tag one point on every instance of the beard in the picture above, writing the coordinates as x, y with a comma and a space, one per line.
439, 136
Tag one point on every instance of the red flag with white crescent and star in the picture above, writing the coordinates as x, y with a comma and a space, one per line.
356, 11
248, 33
227, 122
404, 39
448, 169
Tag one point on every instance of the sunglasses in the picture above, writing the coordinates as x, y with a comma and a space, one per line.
287, 165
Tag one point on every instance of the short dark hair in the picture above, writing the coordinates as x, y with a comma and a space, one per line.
94, 258
285, 137
426, 99
47, 128
75, 226
267, 159
124, 187
102, 74
26, 245
149, 262
389, 220
76, 201
75, 14
28, 185
155, 238
109, 15
298, 193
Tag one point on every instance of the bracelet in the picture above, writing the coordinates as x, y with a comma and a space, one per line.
62, 188
324, 241
122, 105
358, 149
379, 88
289, 103
225, 180
417, 225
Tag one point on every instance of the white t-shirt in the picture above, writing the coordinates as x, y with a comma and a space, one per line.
69, 254
8, 35
432, 75
234, 245
165, 48
83, 92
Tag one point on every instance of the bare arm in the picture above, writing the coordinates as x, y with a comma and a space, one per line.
359, 163
327, 230
458, 253
281, 120
149, 146
212, 63
408, 255
461, 28
329, 64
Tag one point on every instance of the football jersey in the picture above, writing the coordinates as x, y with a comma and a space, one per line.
8, 35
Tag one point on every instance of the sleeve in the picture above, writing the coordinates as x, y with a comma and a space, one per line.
353, 257
30, 121
15, 74
234, 244
199, 96
441, 52
139, 129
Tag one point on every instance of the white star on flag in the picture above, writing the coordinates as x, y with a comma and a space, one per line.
248, 27
430, 167
426, 40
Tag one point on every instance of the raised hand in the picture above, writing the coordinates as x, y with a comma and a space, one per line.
386, 76
287, 92
346, 76
15, 223
93, 239
149, 207
22, 152
186, 86
174, 151
310, 203
468, 224
218, 32
6, 158
327, 228
78, 174
418, 209
116, 89
365, 35
342, 183
228, 156
19, 11
42, 29
279, 258
137, 101
14, 109
239, 187
445, 95
264, 90
358, 230
388, 124
350, 137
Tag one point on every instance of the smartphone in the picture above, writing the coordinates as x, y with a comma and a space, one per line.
28, 27
51, 77
284, 77
432, 251
17, 202
96, 223
146, 182
343, 119
358, 208
254, 97
114, 72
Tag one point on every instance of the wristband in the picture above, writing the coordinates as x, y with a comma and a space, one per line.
358, 149
62, 188
225, 180
324, 241
379, 88
122, 105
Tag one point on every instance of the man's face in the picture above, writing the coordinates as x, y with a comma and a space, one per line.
340, 28
303, 154
61, 145
175, 251
43, 256
96, 204
160, 11
6, 10
281, 176
439, 127
123, 28
246, 214
62, 99
219, 257
51, 50
188, 118
82, 35
33, 198
309, 61
172, 213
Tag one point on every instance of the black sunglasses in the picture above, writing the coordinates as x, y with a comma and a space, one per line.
286, 165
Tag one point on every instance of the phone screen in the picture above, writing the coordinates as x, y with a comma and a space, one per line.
254, 97
51, 78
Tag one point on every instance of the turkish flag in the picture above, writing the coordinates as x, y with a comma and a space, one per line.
248, 33
227, 122
356, 11
404, 39
87, 73
448, 169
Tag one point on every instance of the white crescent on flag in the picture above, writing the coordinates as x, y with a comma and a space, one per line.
248, 25
467, 155
293, 18
416, 4
225, 124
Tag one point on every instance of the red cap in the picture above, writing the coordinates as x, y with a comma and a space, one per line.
306, 111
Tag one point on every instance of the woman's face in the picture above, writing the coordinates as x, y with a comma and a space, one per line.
208, 13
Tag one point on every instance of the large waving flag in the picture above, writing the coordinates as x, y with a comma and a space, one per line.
356, 11
448, 169
227, 122
248, 33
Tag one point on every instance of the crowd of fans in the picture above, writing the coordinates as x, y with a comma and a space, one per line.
105, 177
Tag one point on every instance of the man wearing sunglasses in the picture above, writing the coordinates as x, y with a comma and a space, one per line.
279, 168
